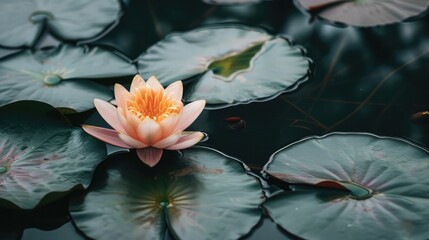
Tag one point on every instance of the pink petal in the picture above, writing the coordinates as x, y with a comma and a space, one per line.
175, 90
187, 141
150, 156
132, 142
121, 95
168, 124
168, 141
129, 126
149, 131
153, 83
109, 114
189, 114
137, 81
132, 120
106, 135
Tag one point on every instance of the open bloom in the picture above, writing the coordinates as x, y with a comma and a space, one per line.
149, 118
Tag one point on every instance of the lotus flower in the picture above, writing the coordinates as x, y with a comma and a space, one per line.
149, 118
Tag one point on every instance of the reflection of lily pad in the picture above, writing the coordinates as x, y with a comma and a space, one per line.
203, 195
359, 186
231, 64
60, 76
364, 13
21, 22
42, 157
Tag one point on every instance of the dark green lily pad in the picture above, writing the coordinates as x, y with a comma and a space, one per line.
202, 195
352, 186
42, 157
22, 22
60, 76
229, 64
364, 13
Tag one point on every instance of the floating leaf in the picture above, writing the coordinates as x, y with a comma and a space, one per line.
60, 76
22, 22
359, 186
42, 157
364, 13
202, 195
230, 64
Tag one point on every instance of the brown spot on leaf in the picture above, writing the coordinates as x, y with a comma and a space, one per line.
331, 184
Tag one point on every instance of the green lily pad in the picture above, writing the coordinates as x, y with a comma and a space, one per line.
22, 22
202, 195
60, 76
352, 186
229, 64
364, 13
42, 156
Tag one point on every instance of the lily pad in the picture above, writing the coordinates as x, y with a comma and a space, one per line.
201, 195
352, 186
42, 157
228, 64
364, 13
60, 76
22, 22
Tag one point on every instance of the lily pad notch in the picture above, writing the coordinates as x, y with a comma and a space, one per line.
42, 157
201, 194
63, 77
68, 20
242, 64
364, 13
351, 186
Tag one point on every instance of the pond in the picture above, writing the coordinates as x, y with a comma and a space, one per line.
330, 120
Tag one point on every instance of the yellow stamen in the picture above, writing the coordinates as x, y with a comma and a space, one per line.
147, 102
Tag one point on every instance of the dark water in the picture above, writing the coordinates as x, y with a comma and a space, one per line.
365, 80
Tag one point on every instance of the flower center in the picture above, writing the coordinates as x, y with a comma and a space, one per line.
147, 102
